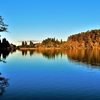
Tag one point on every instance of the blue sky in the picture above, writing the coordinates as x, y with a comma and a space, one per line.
40, 19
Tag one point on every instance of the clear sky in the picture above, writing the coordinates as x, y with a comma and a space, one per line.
40, 19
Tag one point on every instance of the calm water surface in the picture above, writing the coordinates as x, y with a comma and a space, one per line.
51, 75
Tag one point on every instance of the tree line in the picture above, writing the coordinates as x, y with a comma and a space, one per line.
89, 39
48, 43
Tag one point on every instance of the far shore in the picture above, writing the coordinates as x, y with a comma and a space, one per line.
38, 48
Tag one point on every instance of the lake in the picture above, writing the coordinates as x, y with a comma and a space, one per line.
50, 75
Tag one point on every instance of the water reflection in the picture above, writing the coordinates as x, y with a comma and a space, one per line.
3, 84
24, 52
4, 54
84, 56
3, 81
50, 54
91, 57
44, 80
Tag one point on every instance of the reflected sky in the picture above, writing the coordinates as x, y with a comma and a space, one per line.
49, 75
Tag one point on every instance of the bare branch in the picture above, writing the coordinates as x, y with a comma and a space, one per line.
3, 26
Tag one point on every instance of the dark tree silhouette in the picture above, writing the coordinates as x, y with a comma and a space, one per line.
3, 26
23, 44
3, 83
3, 55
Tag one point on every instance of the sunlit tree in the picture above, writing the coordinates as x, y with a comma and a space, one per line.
31, 44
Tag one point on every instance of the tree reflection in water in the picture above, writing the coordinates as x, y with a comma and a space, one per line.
50, 54
3, 83
24, 52
90, 57
3, 55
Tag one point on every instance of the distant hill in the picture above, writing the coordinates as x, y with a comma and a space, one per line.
84, 40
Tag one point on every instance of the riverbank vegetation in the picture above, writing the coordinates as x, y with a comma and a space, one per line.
83, 40
49, 43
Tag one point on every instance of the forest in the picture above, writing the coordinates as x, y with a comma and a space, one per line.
85, 40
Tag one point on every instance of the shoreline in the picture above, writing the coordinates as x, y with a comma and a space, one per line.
39, 48
59, 48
